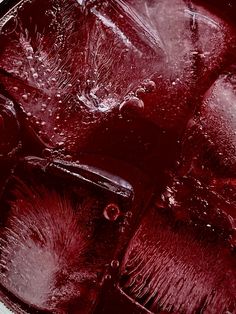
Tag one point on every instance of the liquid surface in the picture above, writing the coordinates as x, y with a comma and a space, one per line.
118, 156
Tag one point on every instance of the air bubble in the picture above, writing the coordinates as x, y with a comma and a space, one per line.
29, 49
60, 144
111, 212
122, 229
107, 277
47, 152
149, 85
129, 214
35, 75
140, 92
133, 103
115, 263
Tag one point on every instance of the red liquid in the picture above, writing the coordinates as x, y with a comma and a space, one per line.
118, 157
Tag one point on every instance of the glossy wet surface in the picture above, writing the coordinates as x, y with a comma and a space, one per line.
118, 157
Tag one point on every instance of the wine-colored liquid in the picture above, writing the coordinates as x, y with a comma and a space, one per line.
118, 156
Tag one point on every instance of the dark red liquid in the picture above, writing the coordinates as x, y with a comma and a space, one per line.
118, 156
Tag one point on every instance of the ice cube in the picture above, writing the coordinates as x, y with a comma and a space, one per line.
69, 74
167, 264
190, 44
63, 223
218, 120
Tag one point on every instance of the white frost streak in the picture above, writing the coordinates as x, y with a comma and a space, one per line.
107, 22
203, 17
144, 24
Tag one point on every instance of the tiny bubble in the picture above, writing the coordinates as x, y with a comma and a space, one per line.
108, 277
111, 212
35, 75
129, 214
47, 152
115, 264
149, 85
122, 229
140, 92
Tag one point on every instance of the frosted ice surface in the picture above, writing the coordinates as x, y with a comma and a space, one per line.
3, 308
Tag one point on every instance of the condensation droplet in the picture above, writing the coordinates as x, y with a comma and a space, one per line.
111, 212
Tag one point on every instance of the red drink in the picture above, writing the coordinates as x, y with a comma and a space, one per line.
118, 156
